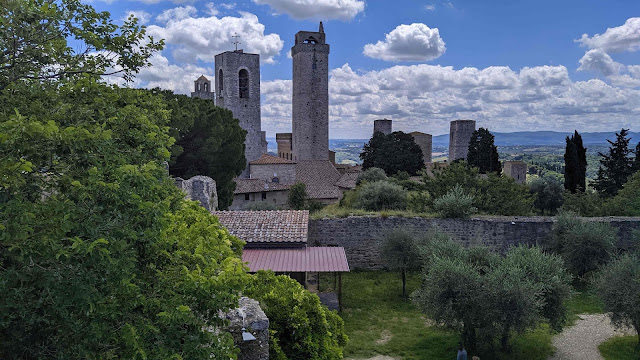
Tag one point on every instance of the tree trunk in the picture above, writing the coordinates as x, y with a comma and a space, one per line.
404, 284
504, 341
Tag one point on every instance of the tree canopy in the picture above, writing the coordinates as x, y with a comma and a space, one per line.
616, 166
392, 153
575, 164
483, 154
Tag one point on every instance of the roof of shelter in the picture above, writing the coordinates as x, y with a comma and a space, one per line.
310, 259
320, 177
245, 186
266, 159
272, 226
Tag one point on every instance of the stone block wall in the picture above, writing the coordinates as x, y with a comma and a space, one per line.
360, 235
459, 135
200, 188
286, 172
383, 125
250, 316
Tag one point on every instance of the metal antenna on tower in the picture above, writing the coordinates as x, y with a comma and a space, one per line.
236, 42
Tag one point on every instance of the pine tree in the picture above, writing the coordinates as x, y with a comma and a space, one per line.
392, 153
616, 166
483, 154
575, 164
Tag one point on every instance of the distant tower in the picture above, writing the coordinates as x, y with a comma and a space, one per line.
516, 170
238, 89
459, 136
202, 89
284, 145
425, 142
383, 125
265, 143
310, 100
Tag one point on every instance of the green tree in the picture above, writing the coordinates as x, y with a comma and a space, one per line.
619, 288
298, 196
455, 204
627, 201
547, 192
636, 161
372, 174
587, 203
392, 153
38, 39
483, 154
380, 195
400, 252
615, 167
209, 141
300, 327
575, 164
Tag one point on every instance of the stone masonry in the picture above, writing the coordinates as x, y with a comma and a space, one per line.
284, 145
249, 316
310, 98
238, 89
516, 170
200, 188
202, 89
459, 136
360, 235
384, 126
425, 142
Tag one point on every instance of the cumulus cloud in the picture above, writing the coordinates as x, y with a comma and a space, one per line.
617, 39
415, 42
143, 16
316, 9
193, 38
598, 61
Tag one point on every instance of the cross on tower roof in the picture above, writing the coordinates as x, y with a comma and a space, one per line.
236, 42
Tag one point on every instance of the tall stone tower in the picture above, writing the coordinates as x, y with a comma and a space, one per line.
202, 89
459, 136
383, 125
310, 98
425, 141
238, 89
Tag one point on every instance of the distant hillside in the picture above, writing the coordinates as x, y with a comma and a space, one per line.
543, 138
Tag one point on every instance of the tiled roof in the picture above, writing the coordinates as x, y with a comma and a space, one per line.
276, 226
310, 259
245, 186
320, 177
348, 180
267, 159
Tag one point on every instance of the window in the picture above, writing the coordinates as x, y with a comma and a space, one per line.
264, 195
220, 80
246, 196
243, 84
206, 87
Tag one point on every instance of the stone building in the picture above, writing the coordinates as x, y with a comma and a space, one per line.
310, 98
516, 170
273, 169
251, 191
384, 126
202, 89
265, 143
284, 145
238, 89
425, 142
459, 135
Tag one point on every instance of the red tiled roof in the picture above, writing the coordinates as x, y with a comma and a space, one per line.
266, 159
311, 259
320, 177
244, 186
273, 226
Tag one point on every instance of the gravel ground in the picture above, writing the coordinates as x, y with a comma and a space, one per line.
580, 342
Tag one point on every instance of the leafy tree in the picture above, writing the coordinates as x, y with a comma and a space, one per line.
209, 141
300, 327
627, 201
38, 39
380, 195
392, 153
587, 203
298, 196
575, 164
636, 161
615, 167
483, 154
547, 192
455, 204
619, 288
400, 252
372, 174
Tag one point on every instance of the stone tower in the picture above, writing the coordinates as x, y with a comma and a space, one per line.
383, 125
202, 89
425, 142
310, 99
238, 89
459, 136
516, 170
284, 145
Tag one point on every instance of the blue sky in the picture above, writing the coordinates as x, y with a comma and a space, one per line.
510, 65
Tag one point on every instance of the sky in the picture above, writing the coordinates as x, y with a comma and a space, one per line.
510, 65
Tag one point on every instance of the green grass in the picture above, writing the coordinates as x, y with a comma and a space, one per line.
583, 301
379, 321
335, 211
620, 348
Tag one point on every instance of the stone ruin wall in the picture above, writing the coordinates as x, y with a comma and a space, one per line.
360, 235
200, 188
254, 322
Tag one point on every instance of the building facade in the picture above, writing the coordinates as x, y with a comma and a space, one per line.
459, 135
384, 126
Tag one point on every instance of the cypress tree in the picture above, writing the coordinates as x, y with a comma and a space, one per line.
616, 166
575, 164
636, 162
483, 154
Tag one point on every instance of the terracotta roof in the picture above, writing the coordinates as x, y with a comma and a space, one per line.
266, 159
320, 177
348, 180
273, 226
244, 186
311, 259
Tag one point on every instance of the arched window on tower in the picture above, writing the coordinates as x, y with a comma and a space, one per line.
206, 87
243, 84
220, 80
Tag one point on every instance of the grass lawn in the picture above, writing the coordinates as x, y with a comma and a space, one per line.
379, 321
584, 301
620, 348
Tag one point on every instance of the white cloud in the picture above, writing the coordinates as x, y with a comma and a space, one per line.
228, 6
415, 42
617, 39
316, 9
143, 16
211, 9
598, 61
201, 38
430, 7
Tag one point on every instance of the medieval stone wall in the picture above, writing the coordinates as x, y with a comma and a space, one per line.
200, 188
425, 142
360, 235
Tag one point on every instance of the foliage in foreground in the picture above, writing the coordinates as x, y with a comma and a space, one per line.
300, 327
400, 252
547, 192
620, 348
380, 195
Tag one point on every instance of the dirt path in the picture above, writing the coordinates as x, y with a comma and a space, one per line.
580, 341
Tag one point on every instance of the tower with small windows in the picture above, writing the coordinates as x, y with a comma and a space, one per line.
310, 98
237, 88
202, 89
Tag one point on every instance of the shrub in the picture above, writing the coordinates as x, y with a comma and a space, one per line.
418, 201
455, 204
380, 195
300, 327
371, 175
298, 196
548, 193
627, 201
587, 203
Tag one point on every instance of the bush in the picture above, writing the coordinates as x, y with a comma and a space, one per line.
455, 204
300, 327
548, 193
587, 203
417, 201
380, 195
627, 201
619, 288
298, 196
371, 175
